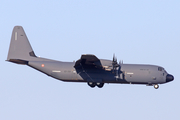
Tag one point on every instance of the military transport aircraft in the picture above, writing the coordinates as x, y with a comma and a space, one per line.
88, 69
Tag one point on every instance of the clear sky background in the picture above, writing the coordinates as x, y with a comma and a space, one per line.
137, 31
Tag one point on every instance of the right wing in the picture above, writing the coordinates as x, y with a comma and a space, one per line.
89, 67
88, 61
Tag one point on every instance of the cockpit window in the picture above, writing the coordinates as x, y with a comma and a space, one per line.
160, 68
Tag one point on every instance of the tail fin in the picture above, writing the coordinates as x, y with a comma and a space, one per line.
20, 50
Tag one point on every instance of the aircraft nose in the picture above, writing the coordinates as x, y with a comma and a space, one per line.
169, 78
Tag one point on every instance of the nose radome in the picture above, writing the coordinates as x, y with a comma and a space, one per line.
169, 78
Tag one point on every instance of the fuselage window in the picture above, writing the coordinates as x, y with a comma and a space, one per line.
160, 68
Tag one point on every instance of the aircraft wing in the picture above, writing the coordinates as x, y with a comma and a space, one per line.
88, 67
88, 61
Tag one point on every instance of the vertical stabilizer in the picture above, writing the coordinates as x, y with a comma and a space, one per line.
20, 50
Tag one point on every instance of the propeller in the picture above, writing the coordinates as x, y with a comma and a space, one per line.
114, 62
119, 69
115, 65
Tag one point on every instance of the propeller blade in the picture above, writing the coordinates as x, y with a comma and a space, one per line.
114, 57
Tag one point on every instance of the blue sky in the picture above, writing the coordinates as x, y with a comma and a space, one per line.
137, 32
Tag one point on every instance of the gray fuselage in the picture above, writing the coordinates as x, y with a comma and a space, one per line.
132, 73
